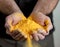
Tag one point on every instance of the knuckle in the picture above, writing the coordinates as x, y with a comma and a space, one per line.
42, 37
47, 33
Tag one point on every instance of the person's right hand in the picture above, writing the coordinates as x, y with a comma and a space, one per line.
14, 19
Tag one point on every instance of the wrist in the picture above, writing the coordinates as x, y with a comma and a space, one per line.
36, 15
18, 14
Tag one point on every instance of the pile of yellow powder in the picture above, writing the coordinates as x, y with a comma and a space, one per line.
26, 27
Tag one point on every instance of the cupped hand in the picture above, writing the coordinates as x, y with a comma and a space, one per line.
43, 20
14, 20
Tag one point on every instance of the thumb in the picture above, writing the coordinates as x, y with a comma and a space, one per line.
15, 19
49, 25
42, 23
14, 22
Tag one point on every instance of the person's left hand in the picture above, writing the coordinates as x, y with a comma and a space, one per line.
41, 19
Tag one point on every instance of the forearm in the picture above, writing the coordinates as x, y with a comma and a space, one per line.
9, 6
45, 6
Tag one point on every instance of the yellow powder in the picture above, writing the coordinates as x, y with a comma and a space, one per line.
26, 27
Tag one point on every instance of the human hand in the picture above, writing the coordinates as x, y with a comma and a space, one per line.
14, 20
41, 19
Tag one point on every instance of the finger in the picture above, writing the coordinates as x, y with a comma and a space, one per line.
43, 32
14, 33
35, 36
8, 32
41, 37
7, 26
49, 27
18, 37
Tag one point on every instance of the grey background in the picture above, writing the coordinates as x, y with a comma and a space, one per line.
56, 14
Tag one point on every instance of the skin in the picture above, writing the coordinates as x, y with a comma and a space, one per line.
45, 6
41, 9
9, 7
